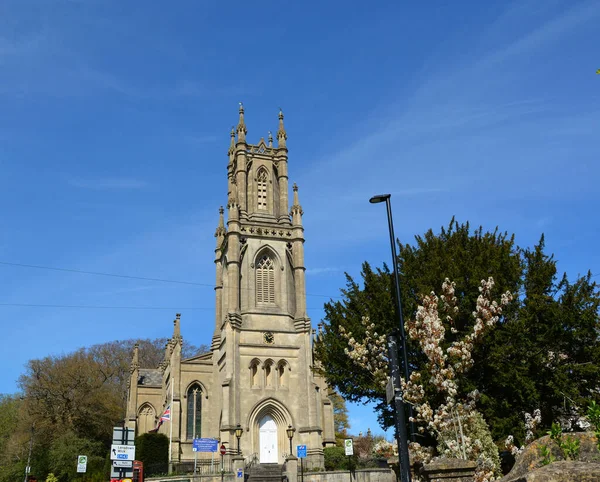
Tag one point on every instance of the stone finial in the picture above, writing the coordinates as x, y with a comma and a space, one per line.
177, 328
270, 139
221, 231
296, 208
232, 142
281, 134
135, 362
241, 127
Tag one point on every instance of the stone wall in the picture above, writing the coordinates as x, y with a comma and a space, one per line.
366, 475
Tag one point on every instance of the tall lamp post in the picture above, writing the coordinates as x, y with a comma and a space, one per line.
393, 349
238, 433
290, 433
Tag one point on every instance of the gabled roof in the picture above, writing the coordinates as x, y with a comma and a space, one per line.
199, 358
150, 376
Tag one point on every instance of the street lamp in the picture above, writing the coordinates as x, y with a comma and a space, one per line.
238, 433
393, 352
290, 433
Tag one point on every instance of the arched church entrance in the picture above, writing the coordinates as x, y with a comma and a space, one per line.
267, 436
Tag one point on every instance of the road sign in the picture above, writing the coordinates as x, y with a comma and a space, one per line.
240, 474
223, 450
81, 464
301, 451
349, 448
389, 391
122, 452
123, 436
123, 463
205, 445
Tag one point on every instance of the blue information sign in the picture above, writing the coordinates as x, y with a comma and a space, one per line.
301, 449
205, 445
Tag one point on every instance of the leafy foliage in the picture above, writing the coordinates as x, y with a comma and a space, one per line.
544, 352
153, 450
340, 415
72, 401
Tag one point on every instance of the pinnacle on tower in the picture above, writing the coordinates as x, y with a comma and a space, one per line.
281, 134
296, 208
135, 362
221, 231
270, 139
177, 328
241, 127
232, 143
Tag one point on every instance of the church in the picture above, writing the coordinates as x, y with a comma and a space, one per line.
258, 375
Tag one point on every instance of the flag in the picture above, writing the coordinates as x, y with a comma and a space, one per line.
154, 430
167, 415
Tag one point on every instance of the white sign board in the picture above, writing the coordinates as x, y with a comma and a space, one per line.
81, 464
123, 463
123, 436
389, 391
122, 452
349, 448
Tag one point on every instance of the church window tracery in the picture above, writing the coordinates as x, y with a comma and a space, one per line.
265, 280
261, 189
194, 411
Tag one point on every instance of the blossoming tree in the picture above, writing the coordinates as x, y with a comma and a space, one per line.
459, 429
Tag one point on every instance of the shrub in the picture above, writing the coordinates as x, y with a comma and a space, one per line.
153, 450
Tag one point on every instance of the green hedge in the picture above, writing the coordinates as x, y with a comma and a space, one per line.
153, 450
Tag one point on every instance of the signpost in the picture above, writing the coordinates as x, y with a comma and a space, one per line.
81, 464
122, 453
349, 450
222, 451
301, 451
203, 445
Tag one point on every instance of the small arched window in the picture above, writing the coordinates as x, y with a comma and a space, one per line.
265, 280
146, 419
254, 382
194, 412
281, 374
261, 189
269, 374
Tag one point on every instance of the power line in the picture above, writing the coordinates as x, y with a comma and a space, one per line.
96, 273
99, 307
142, 278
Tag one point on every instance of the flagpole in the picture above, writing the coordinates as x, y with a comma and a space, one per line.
171, 424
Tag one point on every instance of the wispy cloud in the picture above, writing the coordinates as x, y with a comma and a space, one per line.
109, 184
322, 271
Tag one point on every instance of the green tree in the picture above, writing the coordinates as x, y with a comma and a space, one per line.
340, 415
543, 352
73, 401
457, 253
153, 450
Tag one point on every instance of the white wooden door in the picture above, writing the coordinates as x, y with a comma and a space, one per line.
268, 440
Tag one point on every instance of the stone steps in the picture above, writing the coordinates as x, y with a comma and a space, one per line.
266, 473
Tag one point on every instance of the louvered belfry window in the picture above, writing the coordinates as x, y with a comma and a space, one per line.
265, 281
261, 184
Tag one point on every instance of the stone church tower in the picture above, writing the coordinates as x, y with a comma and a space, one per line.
258, 374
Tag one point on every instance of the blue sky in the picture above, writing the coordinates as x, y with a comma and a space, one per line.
115, 121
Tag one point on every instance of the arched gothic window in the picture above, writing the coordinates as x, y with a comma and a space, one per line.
281, 374
261, 189
269, 374
254, 382
265, 280
194, 412
146, 419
